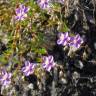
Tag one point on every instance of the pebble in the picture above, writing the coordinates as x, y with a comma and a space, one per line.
30, 86
79, 64
61, 74
63, 80
76, 75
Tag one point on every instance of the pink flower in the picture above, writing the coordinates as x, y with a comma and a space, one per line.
5, 78
76, 41
28, 68
63, 39
44, 4
48, 62
21, 12
60, 1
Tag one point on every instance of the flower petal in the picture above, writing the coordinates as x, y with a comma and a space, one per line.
51, 60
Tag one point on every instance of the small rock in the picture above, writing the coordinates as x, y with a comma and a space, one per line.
79, 64
30, 86
61, 74
63, 80
76, 75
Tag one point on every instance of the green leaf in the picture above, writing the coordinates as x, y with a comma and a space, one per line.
42, 51
64, 28
3, 60
38, 59
15, 61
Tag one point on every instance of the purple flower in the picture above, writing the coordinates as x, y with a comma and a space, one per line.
63, 39
44, 4
48, 62
21, 12
28, 68
66, 40
60, 1
76, 41
5, 78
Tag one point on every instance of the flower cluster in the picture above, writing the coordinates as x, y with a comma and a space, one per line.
28, 68
5, 78
44, 4
21, 12
66, 40
48, 62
